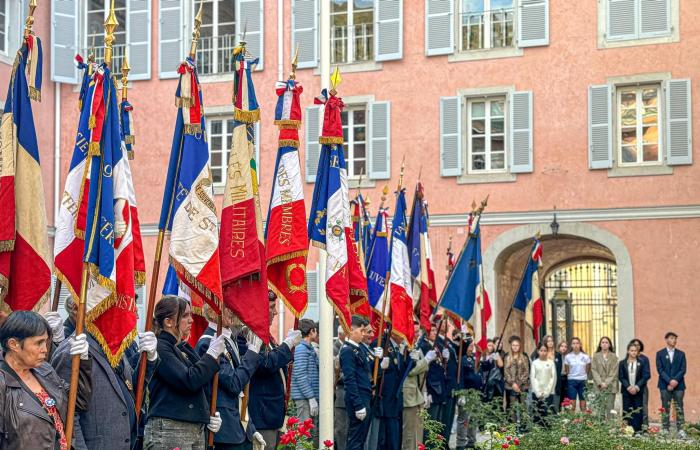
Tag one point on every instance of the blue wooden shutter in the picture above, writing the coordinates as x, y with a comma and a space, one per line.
312, 128
679, 123
621, 20
599, 127
380, 140
450, 136
305, 32
521, 132
170, 48
249, 14
654, 18
138, 35
388, 35
533, 29
439, 27
64, 41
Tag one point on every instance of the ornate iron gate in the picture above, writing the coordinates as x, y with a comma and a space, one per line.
583, 302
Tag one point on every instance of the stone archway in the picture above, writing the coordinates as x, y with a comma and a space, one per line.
505, 257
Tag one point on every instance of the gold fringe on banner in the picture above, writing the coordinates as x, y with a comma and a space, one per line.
35, 94
192, 128
184, 102
4, 286
329, 140
94, 149
130, 139
115, 359
92, 121
246, 116
80, 105
180, 269
139, 278
297, 314
286, 256
130, 154
288, 124
288, 143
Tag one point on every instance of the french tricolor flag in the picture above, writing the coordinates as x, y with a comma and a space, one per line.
528, 298
400, 284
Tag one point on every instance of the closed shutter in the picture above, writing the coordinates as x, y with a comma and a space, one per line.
138, 35
654, 18
389, 33
312, 287
64, 40
170, 50
380, 140
450, 136
599, 127
249, 14
312, 128
305, 32
439, 27
679, 124
521, 132
622, 19
533, 29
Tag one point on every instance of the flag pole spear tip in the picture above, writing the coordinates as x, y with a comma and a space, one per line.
29, 21
335, 81
110, 25
125, 77
403, 166
295, 61
196, 32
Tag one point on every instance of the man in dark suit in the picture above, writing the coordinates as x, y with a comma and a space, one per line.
436, 380
671, 366
390, 402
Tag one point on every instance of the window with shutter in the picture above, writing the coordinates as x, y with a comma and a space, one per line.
637, 135
486, 132
4, 25
521, 155
217, 35
679, 124
250, 14
599, 127
170, 32
219, 130
94, 17
355, 136
312, 129
380, 141
533, 29
312, 286
352, 30
305, 31
439, 27
389, 35
64, 41
638, 19
138, 34
450, 136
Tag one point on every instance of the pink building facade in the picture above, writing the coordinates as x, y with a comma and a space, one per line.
584, 106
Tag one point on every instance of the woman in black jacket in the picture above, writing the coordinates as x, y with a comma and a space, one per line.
178, 408
633, 379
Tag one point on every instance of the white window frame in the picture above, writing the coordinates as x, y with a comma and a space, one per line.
487, 133
98, 47
350, 36
487, 30
660, 117
5, 28
225, 147
193, 6
603, 41
350, 143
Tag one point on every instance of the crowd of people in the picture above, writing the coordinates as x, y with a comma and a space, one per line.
380, 390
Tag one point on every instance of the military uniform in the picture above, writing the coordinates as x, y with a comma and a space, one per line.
466, 431
390, 402
435, 380
358, 392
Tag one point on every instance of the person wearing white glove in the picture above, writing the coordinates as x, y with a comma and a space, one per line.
56, 324
148, 343
428, 401
254, 342
415, 355
79, 346
215, 422
293, 338
258, 438
305, 389
431, 356
378, 352
385, 363
217, 347
446, 354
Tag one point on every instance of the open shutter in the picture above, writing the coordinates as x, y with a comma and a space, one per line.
170, 50
138, 35
249, 14
679, 124
622, 19
450, 136
439, 27
380, 140
64, 40
312, 128
533, 29
599, 127
305, 32
388, 36
654, 18
521, 132
312, 287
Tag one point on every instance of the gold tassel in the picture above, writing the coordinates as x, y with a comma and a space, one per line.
130, 154
330, 140
288, 124
288, 143
192, 128
130, 139
184, 102
139, 278
94, 149
92, 122
34, 94
7, 246
80, 105
246, 116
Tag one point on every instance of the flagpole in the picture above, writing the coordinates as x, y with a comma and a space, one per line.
56, 295
215, 381
153, 291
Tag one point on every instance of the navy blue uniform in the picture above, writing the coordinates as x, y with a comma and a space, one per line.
358, 391
451, 384
435, 381
390, 402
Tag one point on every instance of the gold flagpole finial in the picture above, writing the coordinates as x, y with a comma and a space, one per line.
403, 166
111, 24
125, 75
295, 61
336, 79
385, 192
483, 205
196, 32
29, 21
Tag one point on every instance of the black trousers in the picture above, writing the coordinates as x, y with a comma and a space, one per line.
243, 446
448, 416
389, 433
542, 407
632, 407
358, 430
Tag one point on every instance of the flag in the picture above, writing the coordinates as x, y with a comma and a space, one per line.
329, 220
285, 234
173, 286
241, 244
414, 243
25, 274
378, 266
361, 307
188, 211
400, 285
428, 297
528, 298
109, 251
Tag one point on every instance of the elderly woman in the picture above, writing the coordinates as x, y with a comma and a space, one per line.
33, 398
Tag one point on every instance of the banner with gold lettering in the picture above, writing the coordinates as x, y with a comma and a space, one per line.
241, 242
285, 235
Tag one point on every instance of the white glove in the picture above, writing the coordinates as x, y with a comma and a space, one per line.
119, 223
462, 401
385, 363
361, 414
254, 342
415, 355
216, 347
56, 325
293, 338
313, 407
464, 328
148, 343
445, 354
214, 422
79, 346
428, 401
431, 356
257, 437
378, 352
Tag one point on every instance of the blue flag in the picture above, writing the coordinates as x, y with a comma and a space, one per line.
525, 293
378, 260
414, 230
459, 296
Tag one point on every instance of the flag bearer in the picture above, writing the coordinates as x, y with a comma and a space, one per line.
390, 402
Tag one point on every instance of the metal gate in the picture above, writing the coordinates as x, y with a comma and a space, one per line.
583, 303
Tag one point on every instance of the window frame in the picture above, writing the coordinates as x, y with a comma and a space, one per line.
660, 117
6, 24
605, 43
350, 35
487, 32
350, 158
215, 50
487, 99
87, 45
225, 150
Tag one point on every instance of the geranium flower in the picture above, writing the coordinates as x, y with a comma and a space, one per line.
288, 438
516, 441
662, 410
505, 446
440, 437
292, 421
328, 443
309, 423
421, 447
564, 440
509, 438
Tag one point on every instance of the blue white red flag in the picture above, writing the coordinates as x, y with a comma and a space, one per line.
428, 293
400, 284
189, 211
25, 274
361, 307
528, 298
378, 265
173, 286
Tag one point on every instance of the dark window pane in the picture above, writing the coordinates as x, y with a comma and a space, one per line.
359, 116
359, 150
629, 153
215, 143
497, 160
496, 126
651, 153
344, 117
478, 127
478, 162
497, 144
216, 159
216, 174
359, 133
215, 127
478, 145
359, 167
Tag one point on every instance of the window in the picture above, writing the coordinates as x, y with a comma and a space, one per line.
486, 135
355, 139
639, 19
3, 26
219, 136
96, 14
486, 24
352, 31
218, 36
639, 140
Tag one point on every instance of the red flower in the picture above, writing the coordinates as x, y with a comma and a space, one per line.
588, 411
421, 447
328, 443
288, 437
509, 438
309, 423
292, 421
505, 446
662, 410
516, 441
304, 432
